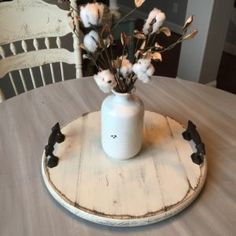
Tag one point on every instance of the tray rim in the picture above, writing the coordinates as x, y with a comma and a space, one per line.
102, 219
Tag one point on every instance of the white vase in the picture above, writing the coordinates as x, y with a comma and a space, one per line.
122, 125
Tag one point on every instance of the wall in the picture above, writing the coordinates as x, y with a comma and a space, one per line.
202, 55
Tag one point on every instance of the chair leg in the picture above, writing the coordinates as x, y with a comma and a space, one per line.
2, 97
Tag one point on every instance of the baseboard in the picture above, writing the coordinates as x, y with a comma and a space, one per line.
230, 48
142, 15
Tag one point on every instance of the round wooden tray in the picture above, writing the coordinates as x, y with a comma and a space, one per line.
156, 184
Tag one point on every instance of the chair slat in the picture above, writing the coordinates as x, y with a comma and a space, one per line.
2, 97
52, 73
2, 52
25, 49
32, 77
24, 45
62, 71
42, 75
13, 83
36, 44
23, 80
13, 48
35, 58
47, 43
76, 40
58, 42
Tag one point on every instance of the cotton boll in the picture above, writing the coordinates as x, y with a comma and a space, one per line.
91, 14
141, 66
84, 17
126, 67
91, 41
150, 70
143, 77
143, 69
159, 17
105, 80
137, 68
159, 22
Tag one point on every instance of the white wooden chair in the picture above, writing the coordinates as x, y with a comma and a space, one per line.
31, 36
2, 97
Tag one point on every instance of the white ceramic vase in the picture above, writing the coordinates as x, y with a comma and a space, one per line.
122, 125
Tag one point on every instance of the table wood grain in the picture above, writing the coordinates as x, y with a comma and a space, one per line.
26, 207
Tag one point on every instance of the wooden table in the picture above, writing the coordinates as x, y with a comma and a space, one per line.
26, 207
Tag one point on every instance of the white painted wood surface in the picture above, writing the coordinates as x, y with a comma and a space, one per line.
25, 20
76, 44
25, 123
28, 19
134, 192
35, 58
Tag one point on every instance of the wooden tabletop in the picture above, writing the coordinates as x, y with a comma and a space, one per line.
26, 207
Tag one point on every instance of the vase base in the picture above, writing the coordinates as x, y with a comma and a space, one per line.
122, 156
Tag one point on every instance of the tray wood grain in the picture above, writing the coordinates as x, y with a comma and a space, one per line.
159, 182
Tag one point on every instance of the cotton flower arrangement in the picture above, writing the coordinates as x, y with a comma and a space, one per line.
120, 73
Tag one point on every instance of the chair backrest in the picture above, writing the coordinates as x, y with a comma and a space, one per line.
31, 36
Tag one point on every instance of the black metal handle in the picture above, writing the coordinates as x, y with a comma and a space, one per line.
191, 133
55, 137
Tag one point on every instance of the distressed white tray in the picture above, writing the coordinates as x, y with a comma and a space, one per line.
158, 183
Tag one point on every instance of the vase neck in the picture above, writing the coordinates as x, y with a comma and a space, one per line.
121, 96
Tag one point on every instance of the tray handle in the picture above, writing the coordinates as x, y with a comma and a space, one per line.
56, 136
191, 133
